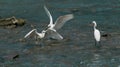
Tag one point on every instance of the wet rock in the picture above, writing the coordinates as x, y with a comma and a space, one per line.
11, 56
11, 22
106, 35
15, 56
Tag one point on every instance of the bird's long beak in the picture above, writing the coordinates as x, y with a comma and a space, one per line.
91, 24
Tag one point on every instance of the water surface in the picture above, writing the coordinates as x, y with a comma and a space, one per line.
77, 48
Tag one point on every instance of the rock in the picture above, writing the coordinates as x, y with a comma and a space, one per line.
11, 56
106, 35
11, 22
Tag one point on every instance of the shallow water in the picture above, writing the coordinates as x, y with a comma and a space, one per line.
77, 49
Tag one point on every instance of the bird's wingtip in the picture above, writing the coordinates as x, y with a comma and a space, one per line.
34, 29
25, 36
44, 6
71, 16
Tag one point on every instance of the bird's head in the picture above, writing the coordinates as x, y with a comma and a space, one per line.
44, 31
94, 23
51, 25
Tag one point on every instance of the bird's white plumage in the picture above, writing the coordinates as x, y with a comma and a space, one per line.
96, 32
50, 16
61, 20
29, 33
97, 35
52, 27
39, 35
54, 35
58, 24
95, 24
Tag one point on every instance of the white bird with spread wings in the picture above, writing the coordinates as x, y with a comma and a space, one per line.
34, 31
53, 27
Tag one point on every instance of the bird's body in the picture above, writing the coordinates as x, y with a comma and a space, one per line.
41, 35
34, 31
53, 27
96, 34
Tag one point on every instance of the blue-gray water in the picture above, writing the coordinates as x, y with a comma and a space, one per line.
77, 49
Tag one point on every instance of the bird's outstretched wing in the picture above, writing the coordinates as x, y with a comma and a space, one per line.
62, 19
49, 15
54, 35
30, 33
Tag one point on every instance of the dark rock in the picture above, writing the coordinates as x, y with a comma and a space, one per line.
11, 56
106, 35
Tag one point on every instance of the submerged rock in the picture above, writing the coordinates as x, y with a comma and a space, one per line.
106, 35
11, 56
11, 22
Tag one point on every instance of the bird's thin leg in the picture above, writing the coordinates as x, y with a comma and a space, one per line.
41, 43
36, 40
98, 44
95, 43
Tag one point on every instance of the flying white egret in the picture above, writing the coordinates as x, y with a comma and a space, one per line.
96, 35
39, 35
53, 27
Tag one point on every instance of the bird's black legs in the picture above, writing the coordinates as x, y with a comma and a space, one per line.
42, 43
36, 39
98, 44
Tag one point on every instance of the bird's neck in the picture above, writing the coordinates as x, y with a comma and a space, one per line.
43, 34
51, 25
94, 27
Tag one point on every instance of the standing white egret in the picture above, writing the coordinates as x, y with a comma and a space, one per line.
96, 35
53, 27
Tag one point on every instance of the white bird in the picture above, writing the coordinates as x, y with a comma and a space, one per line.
34, 31
96, 34
53, 27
